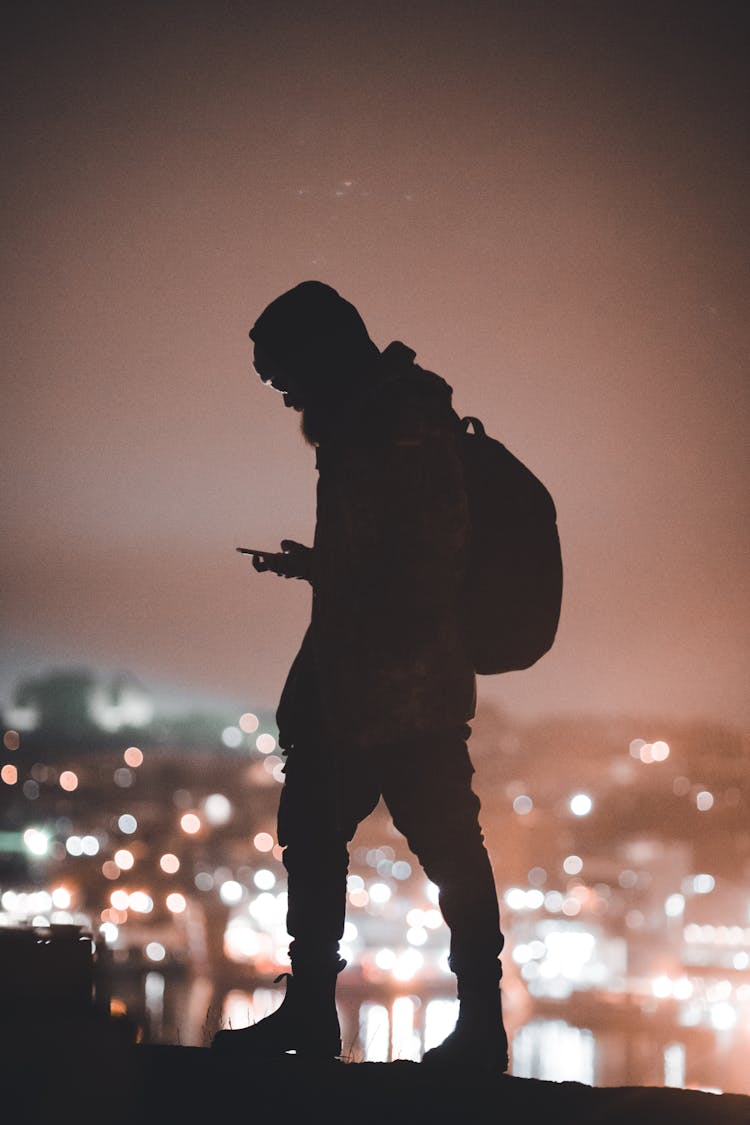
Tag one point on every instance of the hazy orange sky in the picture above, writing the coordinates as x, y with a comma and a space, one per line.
547, 201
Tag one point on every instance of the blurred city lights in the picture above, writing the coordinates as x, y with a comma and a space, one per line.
553, 902
230, 892
141, 902
36, 841
68, 781
515, 897
433, 892
661, 987
241, 941
385, 959
648, 752
564, 935
581, 804
61, 898
674, 906
231, 737
124, 859
218, 809
702, 884
11, 740
265, 743
408, 965
723, 1016
379, 893
404, 1043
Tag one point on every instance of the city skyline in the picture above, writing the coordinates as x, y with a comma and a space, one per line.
622, 879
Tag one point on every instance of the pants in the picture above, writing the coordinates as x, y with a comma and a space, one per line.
426, 787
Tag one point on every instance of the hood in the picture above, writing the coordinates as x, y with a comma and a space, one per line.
397, 362
313, 325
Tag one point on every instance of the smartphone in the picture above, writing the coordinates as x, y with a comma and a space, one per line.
252, 551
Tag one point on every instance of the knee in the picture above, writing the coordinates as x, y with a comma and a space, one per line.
314, 853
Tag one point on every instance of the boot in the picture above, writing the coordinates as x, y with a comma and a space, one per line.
306, 1021
478, 1039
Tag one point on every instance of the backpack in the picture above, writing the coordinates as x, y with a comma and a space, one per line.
513, 588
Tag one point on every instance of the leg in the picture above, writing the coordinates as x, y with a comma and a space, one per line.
428, 791
316, 821
319, 812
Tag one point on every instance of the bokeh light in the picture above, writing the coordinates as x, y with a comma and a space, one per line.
190, 823
581, 804
68, 781
124, 859
133, 757
217, 809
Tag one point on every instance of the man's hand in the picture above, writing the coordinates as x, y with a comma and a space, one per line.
294, 561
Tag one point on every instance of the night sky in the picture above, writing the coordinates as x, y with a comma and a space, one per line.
547, 201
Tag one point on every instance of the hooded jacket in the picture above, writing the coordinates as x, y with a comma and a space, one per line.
384, 659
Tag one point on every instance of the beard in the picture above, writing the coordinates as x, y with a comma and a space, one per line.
312, 425
321, 418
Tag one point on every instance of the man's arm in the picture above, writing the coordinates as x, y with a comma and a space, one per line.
294, 561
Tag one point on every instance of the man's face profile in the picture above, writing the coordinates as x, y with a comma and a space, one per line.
275, 375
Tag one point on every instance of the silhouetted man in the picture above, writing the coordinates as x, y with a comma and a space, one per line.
379, 697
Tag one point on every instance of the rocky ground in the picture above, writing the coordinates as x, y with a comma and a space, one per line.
90, 1074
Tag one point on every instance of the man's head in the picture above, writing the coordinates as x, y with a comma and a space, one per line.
313, 347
